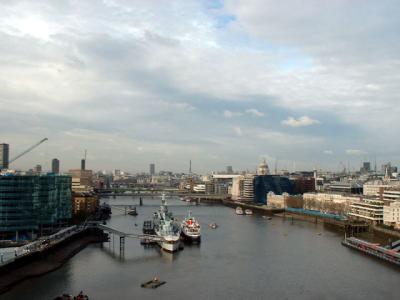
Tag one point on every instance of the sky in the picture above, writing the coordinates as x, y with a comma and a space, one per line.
303, 84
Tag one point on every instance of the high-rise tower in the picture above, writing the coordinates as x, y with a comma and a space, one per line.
4, 156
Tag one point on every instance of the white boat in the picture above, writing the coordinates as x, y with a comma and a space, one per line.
190, 229
166, 227
239, 210
248, 212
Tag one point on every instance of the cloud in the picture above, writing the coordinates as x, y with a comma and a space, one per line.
254, 112
328, 152
302, 121
355, 152
231, 114
238, 131
150, 74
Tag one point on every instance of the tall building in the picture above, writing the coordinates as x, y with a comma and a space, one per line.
31, 203
366, 167
83, 164
4, 156
248, 188
82, 180
37, 169
229, 170
55, 166
152, 169
263, 184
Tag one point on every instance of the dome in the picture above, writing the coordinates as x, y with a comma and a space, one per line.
263, 168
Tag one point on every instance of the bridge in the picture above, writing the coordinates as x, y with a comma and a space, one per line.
122, 235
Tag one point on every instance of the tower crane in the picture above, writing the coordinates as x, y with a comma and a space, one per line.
28, 150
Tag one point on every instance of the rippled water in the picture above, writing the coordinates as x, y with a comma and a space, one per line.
246, 257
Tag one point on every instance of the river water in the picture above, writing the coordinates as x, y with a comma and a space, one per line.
246, 257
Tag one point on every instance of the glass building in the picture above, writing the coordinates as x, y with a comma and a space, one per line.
263, 184
29, 203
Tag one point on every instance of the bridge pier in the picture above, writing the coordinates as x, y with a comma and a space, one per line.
121, 246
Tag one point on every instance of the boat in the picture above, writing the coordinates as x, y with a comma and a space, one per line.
154, 283
248, 212
80, 296
213, 225
132, 211
190, 229
239, 210
187, 199
373, 249
167, 228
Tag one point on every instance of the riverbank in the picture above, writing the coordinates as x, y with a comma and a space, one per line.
48, 260
262, 209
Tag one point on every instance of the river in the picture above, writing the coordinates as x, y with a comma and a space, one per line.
246, 257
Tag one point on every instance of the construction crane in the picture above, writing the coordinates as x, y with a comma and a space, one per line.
27, 150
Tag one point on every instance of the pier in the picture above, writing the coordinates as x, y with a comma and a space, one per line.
148, 238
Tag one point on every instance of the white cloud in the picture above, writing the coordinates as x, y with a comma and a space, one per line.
238, 130
231, 114
150, 68
355, 152
302, 121
255, 112
328, 152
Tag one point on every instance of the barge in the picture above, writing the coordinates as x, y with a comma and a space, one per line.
387, 254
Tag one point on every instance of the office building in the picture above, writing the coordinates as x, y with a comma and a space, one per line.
55, 166
248, 188
83, 164
391, 214
37, 169
263, 184
82, 180
345, 187
152, 169
369, 210
4, 156
84, 203
366, 168
32, 204
229, 170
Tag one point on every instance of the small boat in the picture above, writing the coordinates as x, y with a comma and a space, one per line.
132, 211
239, 210
248, 212
213, 225
154, 283
80, 296
269, 218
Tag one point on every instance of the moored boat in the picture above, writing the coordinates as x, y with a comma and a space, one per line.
239, 210
248, 212
166, 227
190, 229
132, 211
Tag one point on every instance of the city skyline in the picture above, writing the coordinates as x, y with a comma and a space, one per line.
219, 82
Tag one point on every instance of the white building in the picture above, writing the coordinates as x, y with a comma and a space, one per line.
391, 195
248, 188
237, 187
391, 214
370, 210
375, 187
329, 202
